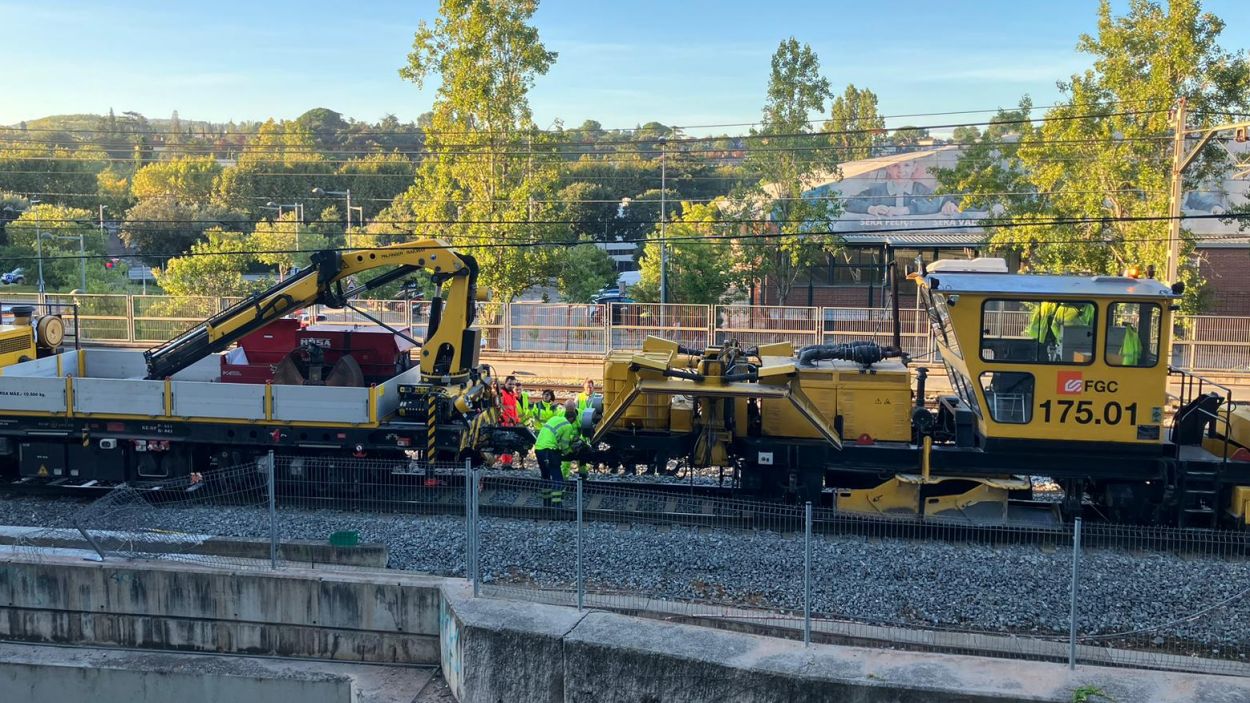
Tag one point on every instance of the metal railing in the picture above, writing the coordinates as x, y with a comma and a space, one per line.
1200, 343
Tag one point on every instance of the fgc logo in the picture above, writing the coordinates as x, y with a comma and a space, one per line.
1071, 383
1074, 383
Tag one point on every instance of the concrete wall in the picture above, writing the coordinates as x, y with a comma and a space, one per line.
20, 681
607, 658
490, 650
366, 616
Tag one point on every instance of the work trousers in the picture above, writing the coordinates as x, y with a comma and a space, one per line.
549, 465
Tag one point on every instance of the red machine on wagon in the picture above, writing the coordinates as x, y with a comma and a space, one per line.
287, 353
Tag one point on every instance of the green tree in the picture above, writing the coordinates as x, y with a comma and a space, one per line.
1099, 157
113, 188
281, 163
700, 262
785, 162
40, 167
187, 179
965, 134
584, 270
990, 167
61, 229
854, 123
909, 135
375, 179
213, 267
285, 243
491, 174
160, 227
327, 127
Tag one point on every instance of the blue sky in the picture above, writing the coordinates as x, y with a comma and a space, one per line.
622, 63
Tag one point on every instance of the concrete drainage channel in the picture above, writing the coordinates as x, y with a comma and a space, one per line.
359, 635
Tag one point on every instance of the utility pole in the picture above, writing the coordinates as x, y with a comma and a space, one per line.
82, 250
38, 246
1182, 158
1174, 197
663, 222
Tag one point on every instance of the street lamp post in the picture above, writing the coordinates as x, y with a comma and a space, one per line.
82, 250
347, 194
299, 217
38, 245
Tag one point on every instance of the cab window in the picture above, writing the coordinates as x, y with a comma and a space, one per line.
1038, 331
1009, 395
1133, 335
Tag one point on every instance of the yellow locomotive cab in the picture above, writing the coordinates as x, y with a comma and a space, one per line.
1069, 358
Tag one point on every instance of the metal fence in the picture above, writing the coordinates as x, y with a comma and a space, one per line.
1082, 594
685, 550
1200, 343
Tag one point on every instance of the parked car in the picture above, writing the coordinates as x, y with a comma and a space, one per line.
617, 302
16, 277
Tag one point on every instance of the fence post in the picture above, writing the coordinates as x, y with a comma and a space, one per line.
807, 573
90, 540
505, 326
130, 318
477, 536
273, 512
1076, 561
607, 326
581, 581
468, 520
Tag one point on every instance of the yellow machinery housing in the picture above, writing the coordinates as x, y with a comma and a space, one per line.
722, 404
30, 337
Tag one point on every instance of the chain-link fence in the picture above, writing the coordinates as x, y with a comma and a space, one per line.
305, 510
1020, 584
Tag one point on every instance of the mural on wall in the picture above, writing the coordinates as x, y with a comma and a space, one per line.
898, 191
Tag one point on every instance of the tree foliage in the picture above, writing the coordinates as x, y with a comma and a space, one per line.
492, 177
854, 123
1099, 155
700, 261
61, 231
584, 270
187, 179
785, 163
213, 267
162, 226
285, 243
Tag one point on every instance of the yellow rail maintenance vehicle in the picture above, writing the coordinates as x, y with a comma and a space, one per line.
1057, 376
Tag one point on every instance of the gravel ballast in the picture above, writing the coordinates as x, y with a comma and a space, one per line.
1018, 588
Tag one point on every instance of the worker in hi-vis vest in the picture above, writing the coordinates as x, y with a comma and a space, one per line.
555, 441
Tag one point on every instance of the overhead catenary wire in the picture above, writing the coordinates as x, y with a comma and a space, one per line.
492, 242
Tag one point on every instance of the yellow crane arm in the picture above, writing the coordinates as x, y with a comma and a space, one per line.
451, 344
